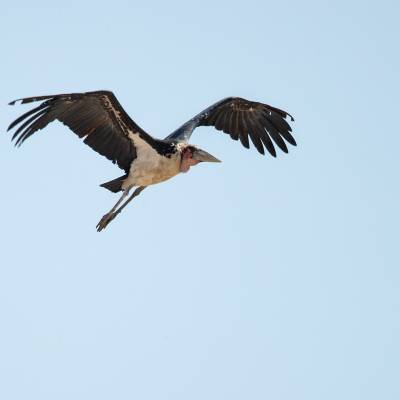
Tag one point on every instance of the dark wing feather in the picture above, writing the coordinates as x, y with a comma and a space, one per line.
97, 117
241, 118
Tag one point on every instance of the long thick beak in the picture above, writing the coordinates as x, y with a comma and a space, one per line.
201, 155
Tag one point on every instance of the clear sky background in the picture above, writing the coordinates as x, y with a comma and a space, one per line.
257, 278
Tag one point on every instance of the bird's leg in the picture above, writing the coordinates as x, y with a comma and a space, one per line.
134, 194
107, 218
110, 215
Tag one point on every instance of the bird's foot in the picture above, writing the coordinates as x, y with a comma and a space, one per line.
107, 218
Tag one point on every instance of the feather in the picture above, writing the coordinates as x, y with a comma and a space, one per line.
275, 136
265, 138
247, 126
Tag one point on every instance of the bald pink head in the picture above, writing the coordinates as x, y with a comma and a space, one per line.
187, 160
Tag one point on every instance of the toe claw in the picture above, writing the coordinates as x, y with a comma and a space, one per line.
105, 220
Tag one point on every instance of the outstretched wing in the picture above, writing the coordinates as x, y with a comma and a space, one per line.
97, 117
241, 118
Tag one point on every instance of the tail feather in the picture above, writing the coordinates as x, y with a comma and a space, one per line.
115, 185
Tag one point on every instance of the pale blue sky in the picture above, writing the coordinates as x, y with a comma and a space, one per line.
257, 278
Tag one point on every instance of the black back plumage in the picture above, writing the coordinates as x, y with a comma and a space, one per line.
97, 117
241, 118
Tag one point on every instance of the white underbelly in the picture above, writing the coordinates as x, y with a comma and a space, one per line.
149, 167
152, 171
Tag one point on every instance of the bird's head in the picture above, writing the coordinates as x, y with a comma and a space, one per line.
192, 155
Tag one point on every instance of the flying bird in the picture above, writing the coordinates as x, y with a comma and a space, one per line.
99, 119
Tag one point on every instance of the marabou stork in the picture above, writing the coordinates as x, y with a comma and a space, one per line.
100, 120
